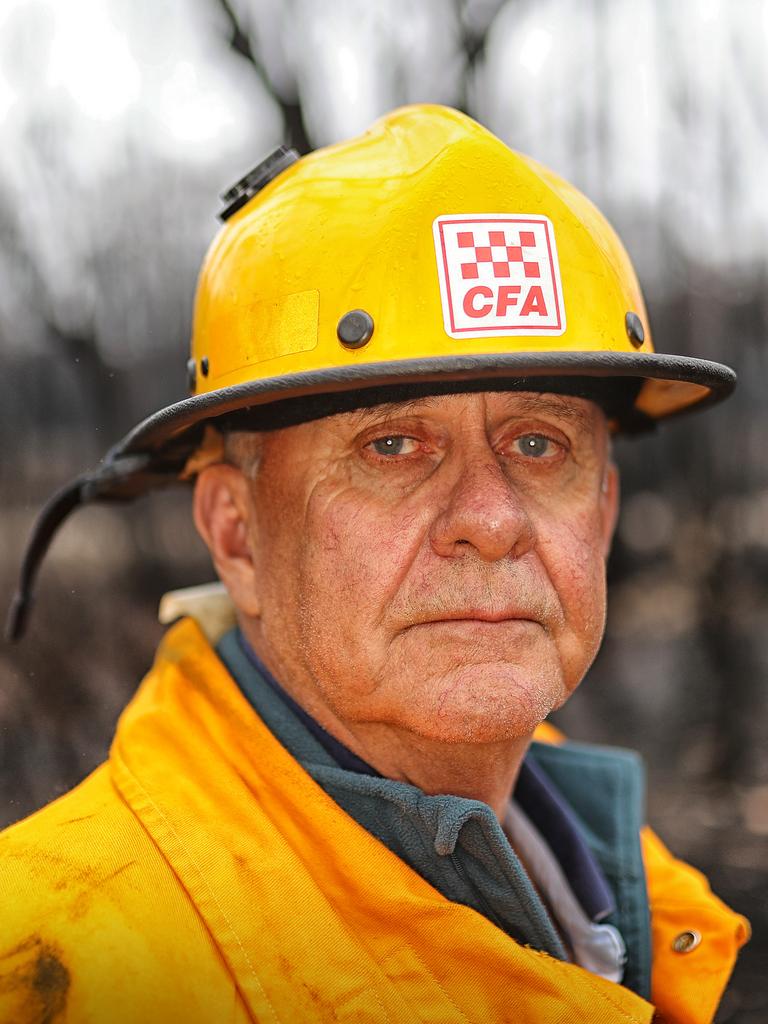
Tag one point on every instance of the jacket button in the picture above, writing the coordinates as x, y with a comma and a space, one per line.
686, 941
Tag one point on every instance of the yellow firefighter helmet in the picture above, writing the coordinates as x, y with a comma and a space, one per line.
424, 256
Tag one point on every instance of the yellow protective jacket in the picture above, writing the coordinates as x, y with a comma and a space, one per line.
201, 875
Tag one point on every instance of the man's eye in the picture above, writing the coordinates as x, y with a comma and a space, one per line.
394, 444
535, 446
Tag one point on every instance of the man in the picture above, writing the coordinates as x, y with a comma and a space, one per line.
410, 352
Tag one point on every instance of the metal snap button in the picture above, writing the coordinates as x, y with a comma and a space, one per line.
686, 941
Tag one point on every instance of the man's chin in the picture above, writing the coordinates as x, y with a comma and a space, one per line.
488, 703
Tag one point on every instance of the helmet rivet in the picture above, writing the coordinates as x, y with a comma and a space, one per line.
191, 374
204, 366
635, 331
355, 328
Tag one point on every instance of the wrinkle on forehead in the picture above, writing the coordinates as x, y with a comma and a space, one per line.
579, 411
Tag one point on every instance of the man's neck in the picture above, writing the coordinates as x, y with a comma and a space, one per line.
483, 771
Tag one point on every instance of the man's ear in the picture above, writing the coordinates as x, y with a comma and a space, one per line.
609, 505
224, 517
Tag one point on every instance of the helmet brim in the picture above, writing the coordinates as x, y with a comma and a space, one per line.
667, 386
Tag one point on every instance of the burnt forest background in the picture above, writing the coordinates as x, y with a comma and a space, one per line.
122, 120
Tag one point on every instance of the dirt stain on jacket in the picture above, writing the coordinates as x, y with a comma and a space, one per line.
34, 983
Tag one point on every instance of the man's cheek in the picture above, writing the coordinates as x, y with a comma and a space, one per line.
575, 567
583, 592
363, 547
576, 540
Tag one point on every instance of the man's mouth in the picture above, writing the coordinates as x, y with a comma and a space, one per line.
477, 615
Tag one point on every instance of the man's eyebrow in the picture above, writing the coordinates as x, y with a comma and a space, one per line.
558, 405
383, 410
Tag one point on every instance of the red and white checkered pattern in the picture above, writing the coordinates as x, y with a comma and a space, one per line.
499, 274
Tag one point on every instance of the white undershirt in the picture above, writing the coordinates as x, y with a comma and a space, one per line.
596, 947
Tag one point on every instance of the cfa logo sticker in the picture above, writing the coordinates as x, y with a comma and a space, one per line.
498, 275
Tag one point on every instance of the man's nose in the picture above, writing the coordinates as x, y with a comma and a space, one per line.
484, 513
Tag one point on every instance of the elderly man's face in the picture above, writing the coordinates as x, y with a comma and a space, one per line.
437, 565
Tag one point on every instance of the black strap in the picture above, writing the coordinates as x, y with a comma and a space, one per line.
117, 480
49, 519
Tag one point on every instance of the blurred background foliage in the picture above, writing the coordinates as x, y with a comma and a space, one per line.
121, 120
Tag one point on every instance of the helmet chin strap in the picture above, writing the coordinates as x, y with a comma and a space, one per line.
118, 479
49, 519
122, 476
